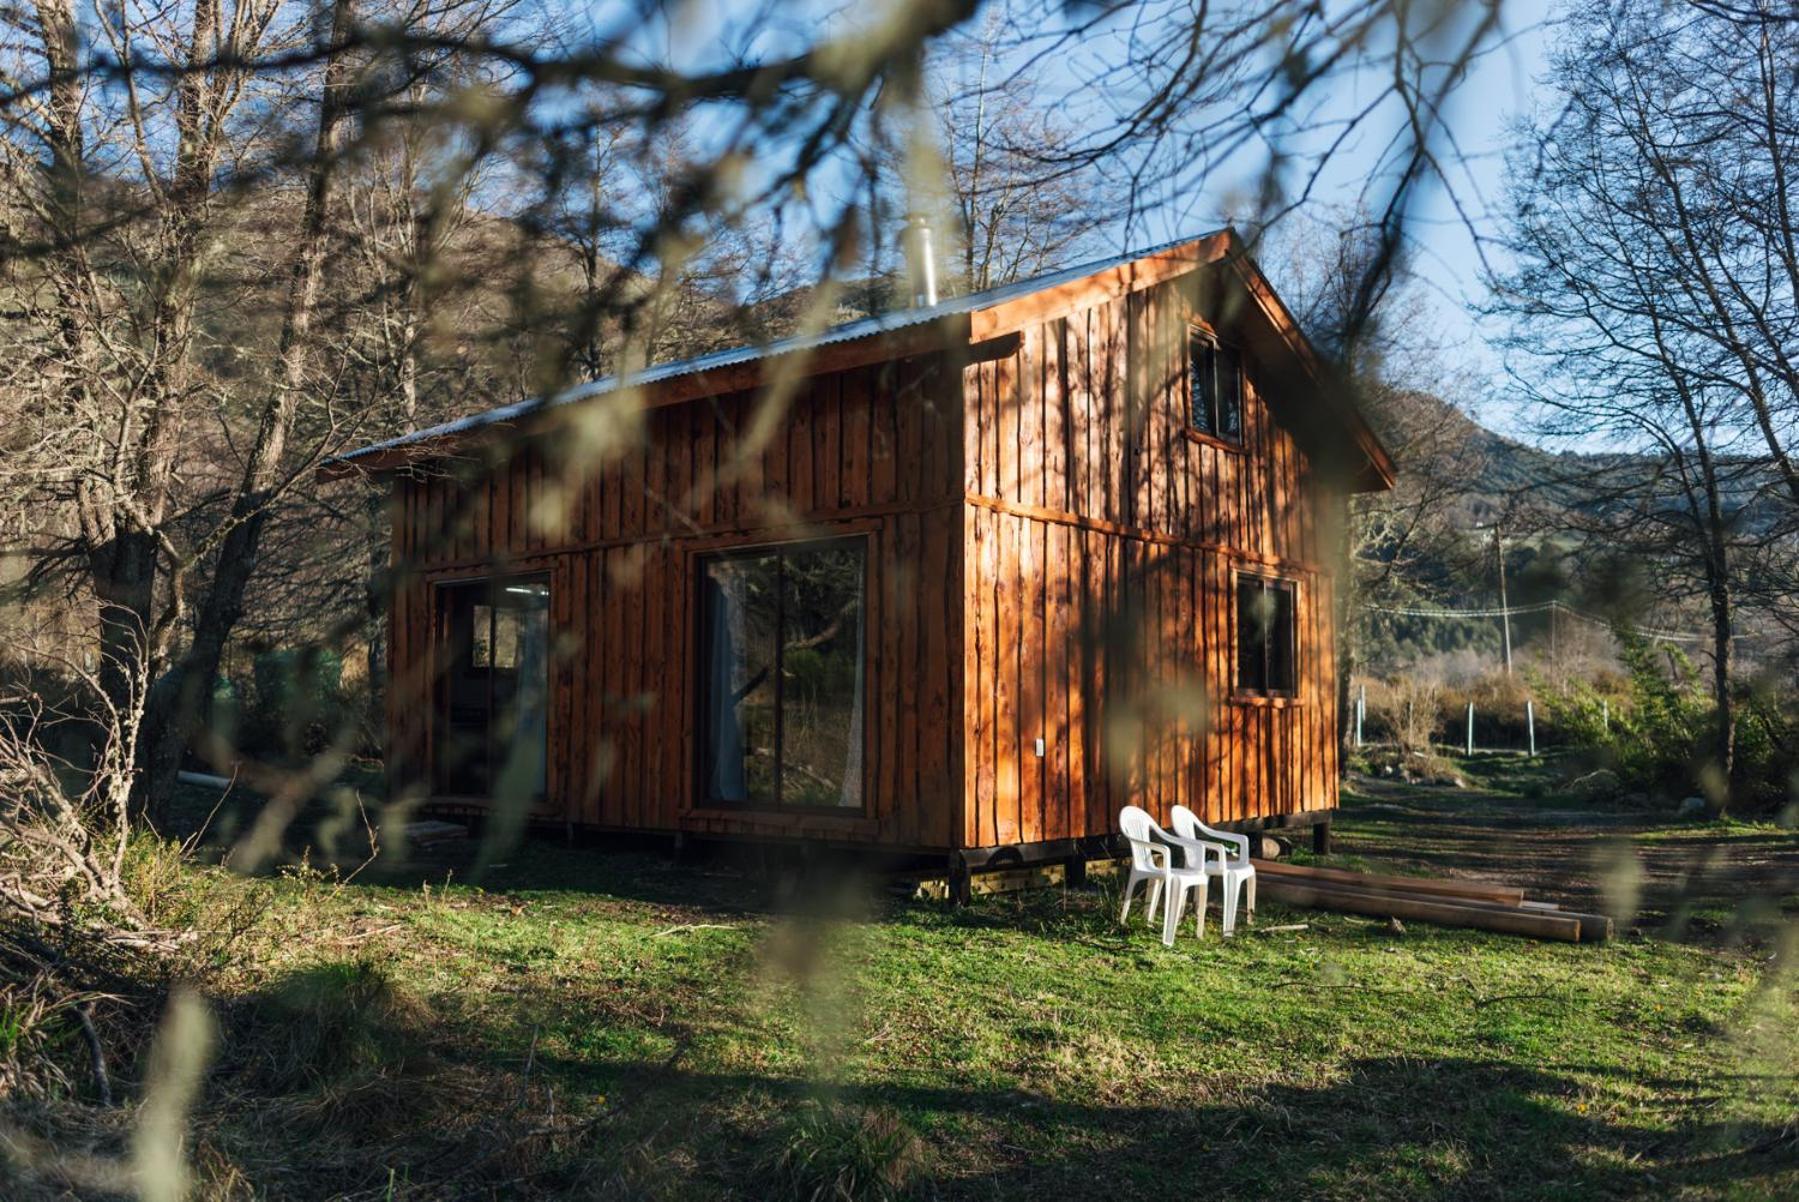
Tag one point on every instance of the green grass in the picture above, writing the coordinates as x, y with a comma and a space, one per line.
607, 1025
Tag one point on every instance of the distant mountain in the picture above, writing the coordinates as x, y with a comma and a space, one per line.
1504, 478
1469, 475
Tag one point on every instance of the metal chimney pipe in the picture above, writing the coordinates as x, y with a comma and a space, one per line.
921, 260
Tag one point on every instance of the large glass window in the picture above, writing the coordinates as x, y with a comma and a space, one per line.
781, 686
1265, 635
493, 692
1215, 381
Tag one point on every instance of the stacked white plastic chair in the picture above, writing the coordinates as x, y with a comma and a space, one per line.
1235, 873
1153, 862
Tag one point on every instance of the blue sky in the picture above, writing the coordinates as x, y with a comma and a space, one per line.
1446, 251
1445, 260
1450, 226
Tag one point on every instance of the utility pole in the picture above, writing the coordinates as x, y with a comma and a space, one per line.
1505, 613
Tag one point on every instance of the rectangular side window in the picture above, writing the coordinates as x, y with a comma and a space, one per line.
1266, 650
1202, 356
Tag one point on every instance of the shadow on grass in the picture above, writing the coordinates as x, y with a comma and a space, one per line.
360, 837
1697, 884
1448, 1129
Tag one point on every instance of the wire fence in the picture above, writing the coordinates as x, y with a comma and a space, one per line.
1466, 743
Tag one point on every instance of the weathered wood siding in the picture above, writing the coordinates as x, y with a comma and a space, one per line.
1102, 540
873, 451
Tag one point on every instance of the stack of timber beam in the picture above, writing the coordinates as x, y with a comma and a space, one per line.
1426, 899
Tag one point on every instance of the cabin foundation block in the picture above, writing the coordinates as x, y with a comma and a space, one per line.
960, 885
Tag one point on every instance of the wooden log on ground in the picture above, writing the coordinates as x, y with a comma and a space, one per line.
1474, 891
1594, 928
1509, 920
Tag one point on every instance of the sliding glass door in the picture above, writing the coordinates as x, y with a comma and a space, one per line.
781, 675
493, 692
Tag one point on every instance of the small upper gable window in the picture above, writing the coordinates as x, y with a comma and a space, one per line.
1215, 376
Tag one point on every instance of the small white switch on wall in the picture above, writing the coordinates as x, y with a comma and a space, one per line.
1039, 748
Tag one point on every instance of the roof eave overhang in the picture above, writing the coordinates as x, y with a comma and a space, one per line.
968, 333
775, 371
1371, 469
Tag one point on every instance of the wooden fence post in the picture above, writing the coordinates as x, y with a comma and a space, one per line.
1530, 724
1470, 730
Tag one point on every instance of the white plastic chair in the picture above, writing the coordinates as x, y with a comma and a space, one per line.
1153, 861
1236, 874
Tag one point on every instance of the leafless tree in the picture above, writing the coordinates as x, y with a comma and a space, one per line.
1012, 218
1636, 328
1704, 98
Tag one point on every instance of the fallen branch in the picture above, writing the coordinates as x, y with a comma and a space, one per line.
96, 1052
1481, 1003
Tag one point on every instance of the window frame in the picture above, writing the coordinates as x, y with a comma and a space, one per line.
1267, 581
1201, 336
700, 673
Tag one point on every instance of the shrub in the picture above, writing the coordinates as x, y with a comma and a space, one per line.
227, 714
298, 702
1410, 709
834, 1153
1429, 704
1414, 767
1657, 736
1768, 751
1598, 786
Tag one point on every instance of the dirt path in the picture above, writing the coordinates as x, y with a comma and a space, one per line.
1684, 879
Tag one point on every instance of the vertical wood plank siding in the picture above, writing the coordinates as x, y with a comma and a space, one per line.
1102, 540
874, 451
1050, 556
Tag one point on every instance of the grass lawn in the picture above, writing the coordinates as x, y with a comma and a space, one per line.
580, 1024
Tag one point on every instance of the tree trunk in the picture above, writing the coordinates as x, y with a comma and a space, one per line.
122, 574
173, 718
121, 556
1342, 560
1725, 732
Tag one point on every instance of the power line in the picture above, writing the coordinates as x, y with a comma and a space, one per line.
1504, 611
1494, 612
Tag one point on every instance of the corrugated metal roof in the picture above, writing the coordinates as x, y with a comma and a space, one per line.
866, 327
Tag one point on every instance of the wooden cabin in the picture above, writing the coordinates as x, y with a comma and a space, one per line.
962, 580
